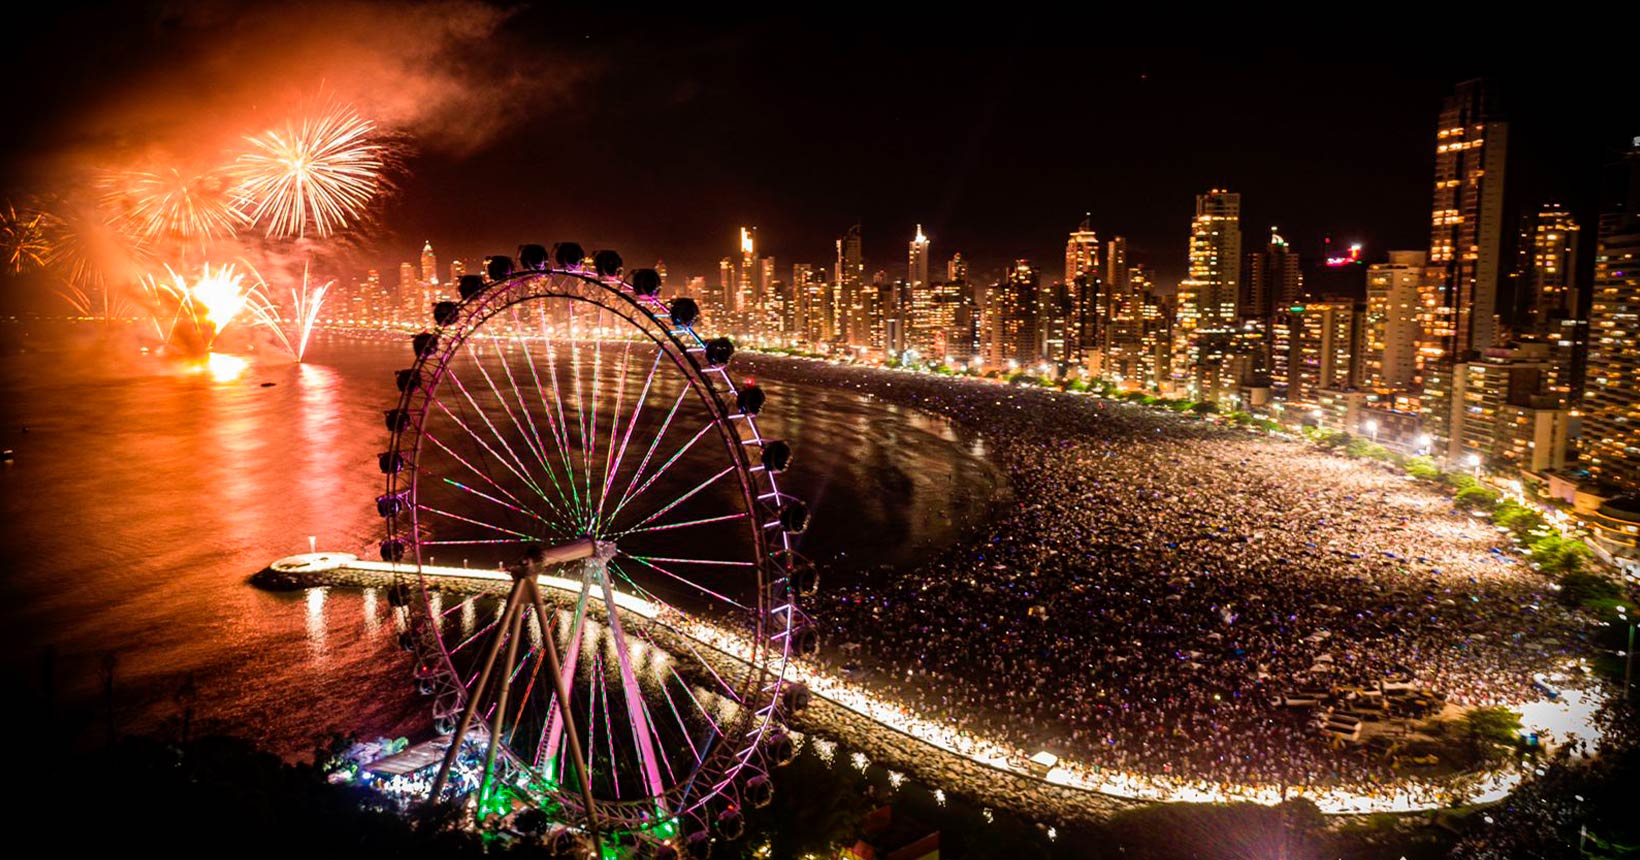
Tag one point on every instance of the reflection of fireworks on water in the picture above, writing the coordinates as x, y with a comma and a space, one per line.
25, 238
172, 204
315, 174
304, 314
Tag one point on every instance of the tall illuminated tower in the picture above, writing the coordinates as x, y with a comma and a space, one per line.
1467, 218
917, 276
956, 269
1274, 280
745, 286
1549, 270
1611, 403
1082, 251
429, 265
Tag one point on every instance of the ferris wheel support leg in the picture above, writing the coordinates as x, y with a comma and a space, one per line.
634, 695
503, 685
548, 752
562, 689
471, 707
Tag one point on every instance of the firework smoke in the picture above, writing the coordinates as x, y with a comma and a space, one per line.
169, 204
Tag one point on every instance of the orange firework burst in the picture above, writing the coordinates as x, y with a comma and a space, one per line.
172, 204
207, 303
315, 175
25, 239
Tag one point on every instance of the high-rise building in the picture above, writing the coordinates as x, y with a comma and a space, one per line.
1315, 346
849, 279
1011, 318
1274, 280
408, 295
1611, 401
917, 270
722, 304
1215, 262
1467, 223
1206, 300
1548, 273
956, 269
660, 269
1389, 359
1082, 251
429, 265
457, 269
743, 299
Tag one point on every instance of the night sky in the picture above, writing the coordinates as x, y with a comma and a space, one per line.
659, 137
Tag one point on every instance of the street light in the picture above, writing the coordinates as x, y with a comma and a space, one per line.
1424, 441
1474, 461
1371, 427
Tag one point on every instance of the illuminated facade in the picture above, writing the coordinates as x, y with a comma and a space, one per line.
1011, 318
848, 279
956, 269
1549, 268
1315, 346
1467, 219
917, 263
429, 266
1389, 356
1082, 252
1274, 280
1206, 301
1611, 404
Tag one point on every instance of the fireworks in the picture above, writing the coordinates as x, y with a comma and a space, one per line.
304, 312
172, 204
316, 174
24, 238
208, 304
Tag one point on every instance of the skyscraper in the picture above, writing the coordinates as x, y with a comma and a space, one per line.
745, 287
957, 268
1611, 414
1274, 280
849, 278
1082, 251
1390, 330
1207, 298
660, 269
429, 265
1011, 318
1548, 276
917, 270
1467, 220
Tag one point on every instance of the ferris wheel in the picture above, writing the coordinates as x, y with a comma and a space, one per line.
568, 433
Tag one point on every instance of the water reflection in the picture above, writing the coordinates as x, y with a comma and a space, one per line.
183, 483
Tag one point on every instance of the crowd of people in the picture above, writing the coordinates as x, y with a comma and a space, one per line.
1158, 582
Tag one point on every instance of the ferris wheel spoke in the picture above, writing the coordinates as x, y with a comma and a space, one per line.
520, 506
659, 472
683, 728
531, 439
614, 429
675, 502
687, 581
687, 641
522, 470
558, 405
668, 526
637, 409
580, 408
463, 487
591, 441
480, 523
555, 425
654, 443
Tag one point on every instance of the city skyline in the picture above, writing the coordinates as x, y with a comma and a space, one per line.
1339, 149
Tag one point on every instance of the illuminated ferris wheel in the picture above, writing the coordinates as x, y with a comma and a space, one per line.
567, 437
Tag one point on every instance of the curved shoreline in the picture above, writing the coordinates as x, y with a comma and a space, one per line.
979, 768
